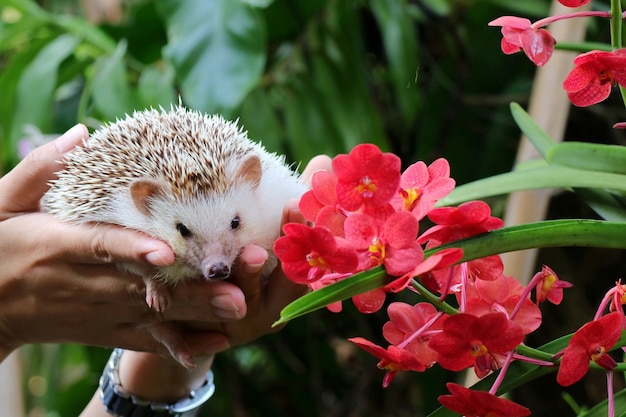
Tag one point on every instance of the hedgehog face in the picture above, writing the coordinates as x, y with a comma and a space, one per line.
207, 233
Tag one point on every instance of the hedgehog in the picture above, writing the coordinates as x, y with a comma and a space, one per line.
195, 181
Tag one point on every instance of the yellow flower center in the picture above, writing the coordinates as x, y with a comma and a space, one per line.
410, 197
366, 187
548, 282
314, 259
478, 349
377, 251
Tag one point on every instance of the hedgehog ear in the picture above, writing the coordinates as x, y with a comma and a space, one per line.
250, 171
142, 190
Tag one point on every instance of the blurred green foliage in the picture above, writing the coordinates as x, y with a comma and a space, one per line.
420, 78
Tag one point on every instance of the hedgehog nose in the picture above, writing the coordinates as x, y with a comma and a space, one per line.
218, 271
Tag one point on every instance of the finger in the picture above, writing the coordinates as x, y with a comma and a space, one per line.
102, 243
317, 163
203, 301
23, 187
249, 269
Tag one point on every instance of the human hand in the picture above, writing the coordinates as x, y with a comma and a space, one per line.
58, 284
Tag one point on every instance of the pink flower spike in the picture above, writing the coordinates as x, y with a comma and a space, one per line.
519, 34
366, 176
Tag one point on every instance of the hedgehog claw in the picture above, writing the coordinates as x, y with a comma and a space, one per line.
157, 296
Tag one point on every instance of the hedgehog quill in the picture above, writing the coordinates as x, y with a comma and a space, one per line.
194, 181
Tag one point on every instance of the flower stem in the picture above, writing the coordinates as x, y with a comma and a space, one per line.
616, 33
432, 298
546, 21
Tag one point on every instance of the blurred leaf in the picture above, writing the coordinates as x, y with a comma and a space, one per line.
218, 50
156, 86
402, 50
589, 156
540, 139
36, 86
601, 409
110, 89
84, 30
543, 177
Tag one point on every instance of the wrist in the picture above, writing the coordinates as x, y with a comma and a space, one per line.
152, 377
121, 402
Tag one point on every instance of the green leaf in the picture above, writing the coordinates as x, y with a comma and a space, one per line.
156, 86
401, 47
217, 48
589, 156
35, 90
342, 290
540, 139
112, 94
552, 176
601, 409
552, 233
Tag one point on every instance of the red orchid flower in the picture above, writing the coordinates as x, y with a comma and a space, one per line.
471, 403
549, 286
594, 74
518, 34
366, 176
422, 186
503, 295
392, 243
319, 204
437, 261
468, 340
404, 321
393, 359
308, 253
590, 343
454, 223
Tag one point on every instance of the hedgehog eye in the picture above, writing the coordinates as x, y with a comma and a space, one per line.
235, 222
183, 230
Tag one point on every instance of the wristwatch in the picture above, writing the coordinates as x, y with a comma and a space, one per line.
120, 403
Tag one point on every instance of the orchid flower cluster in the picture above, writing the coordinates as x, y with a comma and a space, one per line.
366, 215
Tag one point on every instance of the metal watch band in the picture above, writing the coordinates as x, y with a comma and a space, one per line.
120, 403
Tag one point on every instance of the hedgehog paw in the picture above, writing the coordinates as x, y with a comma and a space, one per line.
157, 295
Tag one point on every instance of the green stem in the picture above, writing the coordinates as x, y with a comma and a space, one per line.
616, 34
433, 298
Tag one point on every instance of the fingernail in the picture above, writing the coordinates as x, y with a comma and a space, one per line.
70, 139
225, 307
156, 258
253, 268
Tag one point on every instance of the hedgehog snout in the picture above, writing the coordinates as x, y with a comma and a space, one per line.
218, 270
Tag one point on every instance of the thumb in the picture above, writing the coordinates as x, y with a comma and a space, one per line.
22, 188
